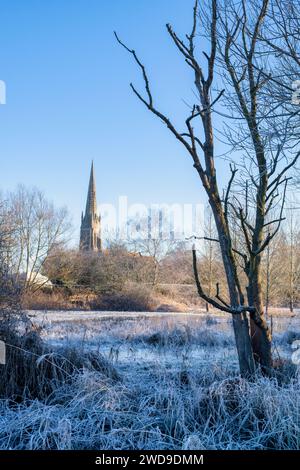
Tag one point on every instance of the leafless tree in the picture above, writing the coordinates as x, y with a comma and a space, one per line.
9, 292
234, 51
263, 139
209, 261
292, 241
37, 228
281, 37
151, 242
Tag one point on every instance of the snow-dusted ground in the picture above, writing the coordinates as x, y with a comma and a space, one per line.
59, 315
156, 337
178, 387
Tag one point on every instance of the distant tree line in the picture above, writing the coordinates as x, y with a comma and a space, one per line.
34, 238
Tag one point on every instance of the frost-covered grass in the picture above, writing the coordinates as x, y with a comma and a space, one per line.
168, 383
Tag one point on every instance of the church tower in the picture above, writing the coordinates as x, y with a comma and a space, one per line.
90, 231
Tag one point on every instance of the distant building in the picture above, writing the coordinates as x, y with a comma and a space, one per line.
90, 231
36, 279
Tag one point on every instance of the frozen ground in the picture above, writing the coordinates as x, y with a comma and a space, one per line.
143, 335
176, 387
143, 339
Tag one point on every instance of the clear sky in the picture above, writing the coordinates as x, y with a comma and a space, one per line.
69, 101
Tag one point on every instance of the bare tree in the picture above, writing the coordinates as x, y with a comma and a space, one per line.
267, 302
210, 257
292, 234
9, 291
37, 228
150, 241
281, 271
280, 37
264, 140
206, 170
234, 49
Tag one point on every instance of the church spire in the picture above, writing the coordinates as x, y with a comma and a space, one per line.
91, 203
90, 231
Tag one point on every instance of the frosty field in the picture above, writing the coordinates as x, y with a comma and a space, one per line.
167, 381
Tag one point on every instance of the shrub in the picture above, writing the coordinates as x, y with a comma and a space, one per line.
175, 337
290, 336
131, 298
210, 320
33, 370
43, 300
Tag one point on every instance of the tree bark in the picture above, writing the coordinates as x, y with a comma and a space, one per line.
261, 338
240, 322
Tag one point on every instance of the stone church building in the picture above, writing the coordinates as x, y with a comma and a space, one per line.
90, 231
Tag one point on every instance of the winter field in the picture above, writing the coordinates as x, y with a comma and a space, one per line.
155, 381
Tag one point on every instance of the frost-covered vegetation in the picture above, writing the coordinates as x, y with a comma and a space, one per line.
150, 382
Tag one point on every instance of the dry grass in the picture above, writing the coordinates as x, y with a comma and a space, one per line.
33, 370
131, 298
177, 387
55, 300
161, 412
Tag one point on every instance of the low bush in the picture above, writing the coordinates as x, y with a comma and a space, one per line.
177, 336
45, 300
289, 336
33, 370
131, 298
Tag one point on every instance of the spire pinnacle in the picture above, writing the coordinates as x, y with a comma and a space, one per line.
91, 203
90, 231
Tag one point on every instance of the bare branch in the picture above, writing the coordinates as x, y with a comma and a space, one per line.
234, 311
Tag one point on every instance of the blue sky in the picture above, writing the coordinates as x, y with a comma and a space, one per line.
69, 101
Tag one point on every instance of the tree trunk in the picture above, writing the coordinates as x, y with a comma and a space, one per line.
243, 345
261, 337
240, 322
155, 272
261, 345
